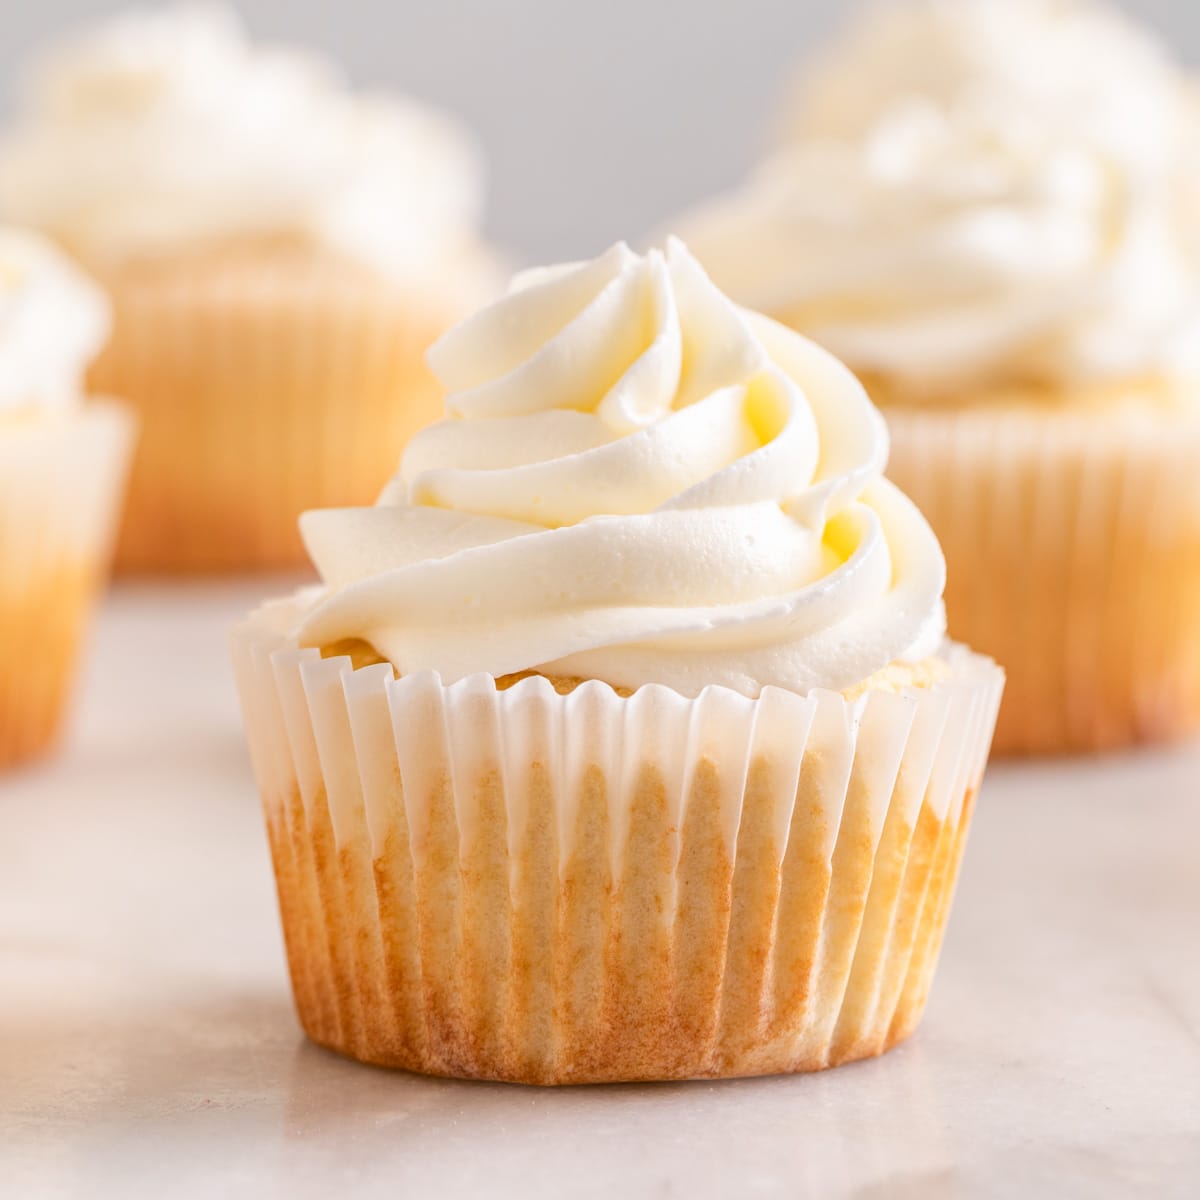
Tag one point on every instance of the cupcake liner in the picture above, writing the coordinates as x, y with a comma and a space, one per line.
553, 888
266, 385
61, 480
1072, 543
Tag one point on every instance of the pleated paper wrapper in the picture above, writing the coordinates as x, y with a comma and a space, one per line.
62, 477
266, 385
1072, 543
556, 888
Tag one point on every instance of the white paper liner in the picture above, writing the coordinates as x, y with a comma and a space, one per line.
564, 888
266, 385
62, 476
1072, 543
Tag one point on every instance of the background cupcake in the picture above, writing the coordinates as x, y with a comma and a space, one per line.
981, 213
279, 252
62, 469
621, 742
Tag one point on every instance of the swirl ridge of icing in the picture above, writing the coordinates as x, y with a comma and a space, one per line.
976, 194
639, 482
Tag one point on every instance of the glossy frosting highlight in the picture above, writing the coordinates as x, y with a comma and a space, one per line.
637, 482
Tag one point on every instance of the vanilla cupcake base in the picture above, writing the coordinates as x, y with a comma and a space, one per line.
525, 885
61, 480
268, 381
1072, 543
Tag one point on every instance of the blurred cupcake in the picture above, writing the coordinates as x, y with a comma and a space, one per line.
980, 213
622, 741
279, 252
63, 464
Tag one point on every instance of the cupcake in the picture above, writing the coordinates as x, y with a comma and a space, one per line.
279, 252
63, 464
979, 211
622, 740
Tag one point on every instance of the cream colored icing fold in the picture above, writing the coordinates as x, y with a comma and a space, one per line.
163, 129
976, 194
53, 322
636, 481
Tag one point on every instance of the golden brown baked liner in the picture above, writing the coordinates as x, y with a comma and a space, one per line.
269, 380
61, 479
516, 883
40, 634
1072, 543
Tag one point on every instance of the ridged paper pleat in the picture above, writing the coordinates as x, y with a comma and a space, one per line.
266, 384
521, 884
61, 481
1072, 543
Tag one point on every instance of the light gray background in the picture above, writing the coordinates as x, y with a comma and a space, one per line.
600, 118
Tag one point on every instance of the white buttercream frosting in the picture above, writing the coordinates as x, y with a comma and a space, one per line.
53, 322
979, 192
637, 482
1189, 198
1072, 70
165, 128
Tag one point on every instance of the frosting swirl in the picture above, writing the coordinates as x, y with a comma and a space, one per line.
1074, 71
53, 322
165, 128
637, 482
980, 194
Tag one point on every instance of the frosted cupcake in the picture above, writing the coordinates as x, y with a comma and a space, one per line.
62, 469
621, 741
279, 251
980, 213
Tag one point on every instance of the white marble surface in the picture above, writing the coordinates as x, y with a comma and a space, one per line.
148, 1048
